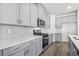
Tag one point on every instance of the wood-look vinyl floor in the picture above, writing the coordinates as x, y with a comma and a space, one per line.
57, 49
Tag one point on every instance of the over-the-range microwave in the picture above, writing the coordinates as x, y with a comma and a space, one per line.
40, 23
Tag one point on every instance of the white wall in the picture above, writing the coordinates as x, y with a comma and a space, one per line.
78, 20
52, 26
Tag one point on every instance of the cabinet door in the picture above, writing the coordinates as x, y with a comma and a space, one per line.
12, 50
30, 50
47, 21
0, 52
34, 14
19, 53
50, 38
58, 37
40, 11
38, 46
25, 14
9, 13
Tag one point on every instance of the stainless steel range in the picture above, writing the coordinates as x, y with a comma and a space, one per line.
45, 39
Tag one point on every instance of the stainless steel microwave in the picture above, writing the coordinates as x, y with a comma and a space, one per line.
40, 23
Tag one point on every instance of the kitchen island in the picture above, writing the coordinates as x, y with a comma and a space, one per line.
73, 45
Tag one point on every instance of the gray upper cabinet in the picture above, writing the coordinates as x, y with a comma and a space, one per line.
25, 14
43, 14
9, 13
22, 13
40, 10
34, 14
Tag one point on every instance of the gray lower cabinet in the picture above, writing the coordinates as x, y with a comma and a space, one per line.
50, 38
18, 53
30, 48
20, 49
0, 52
72, 49
38, 46
10, 51
58, 37
30, 51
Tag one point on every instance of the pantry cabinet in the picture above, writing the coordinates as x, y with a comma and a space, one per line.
9, 13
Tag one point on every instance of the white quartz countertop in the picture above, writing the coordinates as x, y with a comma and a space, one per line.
75, 41
11, 42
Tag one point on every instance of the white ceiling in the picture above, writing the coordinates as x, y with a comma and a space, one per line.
59, 8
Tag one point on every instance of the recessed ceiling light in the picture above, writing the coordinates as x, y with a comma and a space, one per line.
69, 7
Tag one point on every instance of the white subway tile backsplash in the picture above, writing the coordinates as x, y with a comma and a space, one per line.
13, 32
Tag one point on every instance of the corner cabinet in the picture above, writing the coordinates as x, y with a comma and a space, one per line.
9, 13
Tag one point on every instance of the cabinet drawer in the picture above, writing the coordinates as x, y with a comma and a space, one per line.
18, 53
13, 49
10, 50
27, 44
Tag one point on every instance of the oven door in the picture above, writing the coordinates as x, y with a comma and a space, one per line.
45, 42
